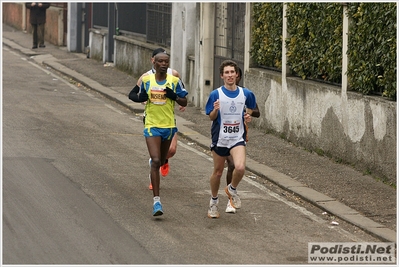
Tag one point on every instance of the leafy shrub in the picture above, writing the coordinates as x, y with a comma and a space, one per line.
314, 43
372, 48
314, 48
267, 34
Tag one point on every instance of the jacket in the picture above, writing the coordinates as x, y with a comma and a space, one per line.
37, 14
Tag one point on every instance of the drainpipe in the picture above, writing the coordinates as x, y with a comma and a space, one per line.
111, 32
23, 17
74, 39
117, 19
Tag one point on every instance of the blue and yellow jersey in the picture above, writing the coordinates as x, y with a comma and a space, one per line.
159, 109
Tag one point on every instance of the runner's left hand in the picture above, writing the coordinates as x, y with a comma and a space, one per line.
247, 117
170, 94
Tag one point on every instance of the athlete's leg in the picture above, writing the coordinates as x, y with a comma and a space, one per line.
154, 149
230, 169
218, 166
238, 154
165, 148
171, 152
172, 147
229, 176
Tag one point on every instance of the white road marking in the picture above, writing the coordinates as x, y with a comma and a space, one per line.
114, 109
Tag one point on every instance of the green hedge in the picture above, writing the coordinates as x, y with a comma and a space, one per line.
267, 34
372, 48
314, 46
314, 43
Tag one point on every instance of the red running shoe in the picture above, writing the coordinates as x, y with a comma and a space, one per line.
164, 169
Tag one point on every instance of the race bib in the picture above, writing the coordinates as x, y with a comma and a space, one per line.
157, 96
230, 128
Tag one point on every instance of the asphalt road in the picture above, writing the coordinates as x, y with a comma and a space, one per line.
75, 178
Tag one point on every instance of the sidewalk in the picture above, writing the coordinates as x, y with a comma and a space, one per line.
338, 189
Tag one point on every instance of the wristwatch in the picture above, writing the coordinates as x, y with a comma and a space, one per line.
177, 98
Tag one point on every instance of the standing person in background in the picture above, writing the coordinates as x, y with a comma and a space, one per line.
160, 91
225, 107
37, 18
133, 94
229, 159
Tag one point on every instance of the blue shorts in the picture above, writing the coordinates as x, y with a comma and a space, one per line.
164, 133
224, 151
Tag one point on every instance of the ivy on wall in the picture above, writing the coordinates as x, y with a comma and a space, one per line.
314, 42
372, 48
314, 46
267, 34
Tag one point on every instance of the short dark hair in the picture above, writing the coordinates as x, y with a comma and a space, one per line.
228, 62
158, 50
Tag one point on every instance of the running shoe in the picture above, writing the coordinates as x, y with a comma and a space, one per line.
235, 200
213, 209
229, 208
157, 209
165, 169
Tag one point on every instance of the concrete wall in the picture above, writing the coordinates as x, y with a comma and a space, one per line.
352, 128
14, 14
17, 16
96, 44
133, 55
54, 32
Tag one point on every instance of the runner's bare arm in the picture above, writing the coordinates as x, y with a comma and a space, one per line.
214, 113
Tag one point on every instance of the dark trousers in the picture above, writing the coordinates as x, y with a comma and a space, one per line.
38, 34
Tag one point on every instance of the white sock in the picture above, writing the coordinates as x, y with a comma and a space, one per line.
215, 200
157, 199
232, 190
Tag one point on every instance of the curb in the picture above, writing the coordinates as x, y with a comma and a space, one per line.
318, 199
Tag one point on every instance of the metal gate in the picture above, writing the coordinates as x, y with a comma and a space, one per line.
229, 37
153, 20
159, 23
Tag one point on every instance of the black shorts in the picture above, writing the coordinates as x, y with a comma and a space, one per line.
225, 151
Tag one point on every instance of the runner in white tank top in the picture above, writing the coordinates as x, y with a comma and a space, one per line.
231, 129
225, 107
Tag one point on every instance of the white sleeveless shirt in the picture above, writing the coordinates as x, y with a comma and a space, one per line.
152, 71
231, 119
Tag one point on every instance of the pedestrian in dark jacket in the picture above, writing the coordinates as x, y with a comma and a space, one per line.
37, 20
